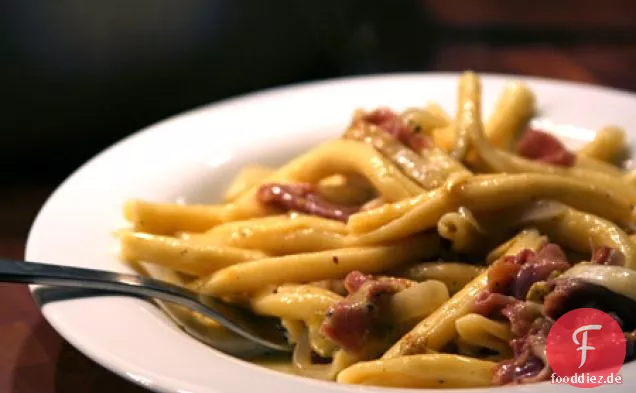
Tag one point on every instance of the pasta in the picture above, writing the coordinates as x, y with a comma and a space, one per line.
608, 144
416, 250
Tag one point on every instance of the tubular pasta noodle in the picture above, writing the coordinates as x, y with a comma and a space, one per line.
513, 109
618, 279
295, 302
420, 213
181, 255
280, 223
593, 164
608, 144
406, 306
351, 190
421, 371
438, 329
455, 275
490, 192
483, 193
584, 232
300, 303
483, 332
529, 238
245, 179
429, 167
444, 135
502, 161
333, 157
468, 112
434, 109
166, 219
291, 234
464, 234
425, 120
323, 265
375, 217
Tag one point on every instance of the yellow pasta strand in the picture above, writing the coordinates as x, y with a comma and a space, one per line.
181, 255
167, 219
513, 109
421, 371
246, 179
302, 268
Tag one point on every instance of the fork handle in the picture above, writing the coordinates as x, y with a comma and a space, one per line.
66, 276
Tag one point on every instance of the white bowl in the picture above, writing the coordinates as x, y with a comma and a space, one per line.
191, 158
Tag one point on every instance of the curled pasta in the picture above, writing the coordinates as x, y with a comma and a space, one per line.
418, 214
406, 306
337, 156
482, 332
245, 179
584, 232
502, 161
299, 303
491, 192
438, 329
463, 231
351, 190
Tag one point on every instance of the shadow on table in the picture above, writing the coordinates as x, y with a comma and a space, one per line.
74, 372
48, 364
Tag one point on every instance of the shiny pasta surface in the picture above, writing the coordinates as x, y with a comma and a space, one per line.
421, 249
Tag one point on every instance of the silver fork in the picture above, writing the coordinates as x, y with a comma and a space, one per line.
263, 332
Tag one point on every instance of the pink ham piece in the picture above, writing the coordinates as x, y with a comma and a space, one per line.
541, 146
526, 365
358, 322
390, 122
608, 256
514, 275
303, 198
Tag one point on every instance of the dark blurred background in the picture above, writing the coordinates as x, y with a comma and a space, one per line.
77, 75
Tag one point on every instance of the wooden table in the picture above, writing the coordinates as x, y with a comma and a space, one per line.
597, 47
33, 357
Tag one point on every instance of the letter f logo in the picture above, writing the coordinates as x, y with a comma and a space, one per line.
584, 347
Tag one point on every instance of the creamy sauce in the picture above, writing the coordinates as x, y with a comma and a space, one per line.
277, 362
